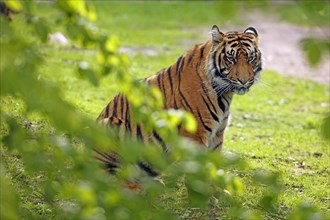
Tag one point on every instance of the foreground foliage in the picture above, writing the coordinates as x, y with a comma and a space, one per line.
47, 142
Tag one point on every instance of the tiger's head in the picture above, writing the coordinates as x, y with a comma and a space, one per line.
234, 60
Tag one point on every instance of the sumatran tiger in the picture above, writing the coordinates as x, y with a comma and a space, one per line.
202, 81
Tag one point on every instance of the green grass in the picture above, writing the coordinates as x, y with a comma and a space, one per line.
276, 126
280, 132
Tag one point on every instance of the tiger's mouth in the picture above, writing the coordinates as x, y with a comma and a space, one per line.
223, 85
241, 90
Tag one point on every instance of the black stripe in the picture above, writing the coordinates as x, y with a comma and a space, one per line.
231, 41
182, 96
147, 168
222, 61
227, 101
259, 68
116, 123
239, 40
163, 86
122, 106
190, 58
128, 126
179, 86
107, 111
217, 73
182, 65
178, 64
200, 58
109, 157
206, 93
214, 116
115, 103
246, 38
222, 70
218, 145
234, 45
221, 130
202, 51
111, 170
110, 120
192, 55
160, 141
175, 105
110, 162
203, 123
221, 105
170, 78
158, 80
127, 117
246, 44
139, 132
197, 65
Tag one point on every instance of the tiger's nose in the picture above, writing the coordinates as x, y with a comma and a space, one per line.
243, 81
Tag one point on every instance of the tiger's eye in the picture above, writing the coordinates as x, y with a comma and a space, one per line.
230, 59
251, 58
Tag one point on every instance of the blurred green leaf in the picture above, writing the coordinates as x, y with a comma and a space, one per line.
306, 210
8, 198
267, 203
199, 191
189, 123
71, 179
16, 135
112, 44
314, 49
41, 29
305, 12
14, 5
268, 179
86, 72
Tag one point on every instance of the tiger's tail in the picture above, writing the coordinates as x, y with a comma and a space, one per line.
109, 160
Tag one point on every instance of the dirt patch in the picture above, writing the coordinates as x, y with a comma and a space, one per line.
148, 51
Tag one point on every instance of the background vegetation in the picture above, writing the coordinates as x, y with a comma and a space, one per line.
275, 164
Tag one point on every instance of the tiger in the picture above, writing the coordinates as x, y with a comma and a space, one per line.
203, 82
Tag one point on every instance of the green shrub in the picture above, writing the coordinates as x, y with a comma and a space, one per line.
54, 162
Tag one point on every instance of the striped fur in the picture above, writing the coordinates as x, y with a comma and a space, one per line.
202, 82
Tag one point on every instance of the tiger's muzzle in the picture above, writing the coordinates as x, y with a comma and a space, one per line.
240, 88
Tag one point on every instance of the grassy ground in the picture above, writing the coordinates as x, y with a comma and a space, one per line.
275, 126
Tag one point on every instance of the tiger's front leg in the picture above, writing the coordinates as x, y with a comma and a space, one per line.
219, 135
217, 141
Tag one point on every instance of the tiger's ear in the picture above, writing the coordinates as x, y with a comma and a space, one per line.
251, 30
217, 36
